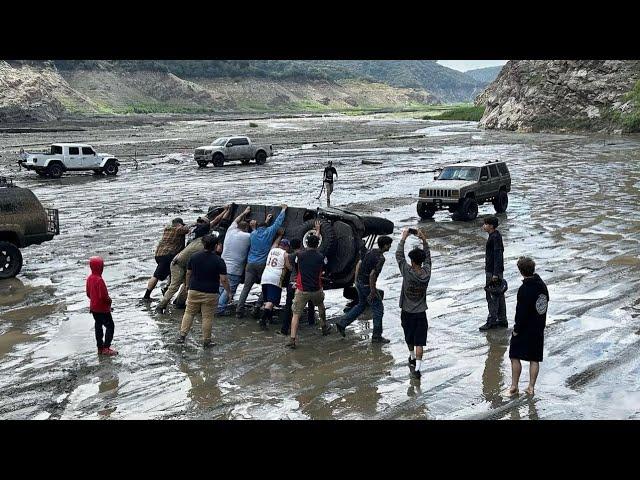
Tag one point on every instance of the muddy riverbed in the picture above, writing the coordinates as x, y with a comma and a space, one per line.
573, 208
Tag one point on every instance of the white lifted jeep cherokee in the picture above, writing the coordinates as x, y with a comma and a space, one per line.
64, 157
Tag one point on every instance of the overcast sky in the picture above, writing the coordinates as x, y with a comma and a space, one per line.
464, 65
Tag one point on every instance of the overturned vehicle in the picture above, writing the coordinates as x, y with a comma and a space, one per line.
344, 236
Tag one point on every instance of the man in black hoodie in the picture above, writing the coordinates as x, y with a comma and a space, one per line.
494, 269
527, 339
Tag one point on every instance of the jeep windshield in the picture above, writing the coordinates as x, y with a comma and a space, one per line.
460, 173
220, 141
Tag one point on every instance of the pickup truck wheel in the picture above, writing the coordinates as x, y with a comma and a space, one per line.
328, 239
245, 161
55, 170
425, 211
261, 157
10, 260
202, 163
218, 160
501, 202
468, 209
111, 168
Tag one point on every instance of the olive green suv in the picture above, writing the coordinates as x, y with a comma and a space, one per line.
460, 188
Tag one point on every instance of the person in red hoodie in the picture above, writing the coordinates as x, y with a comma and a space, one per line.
100, 306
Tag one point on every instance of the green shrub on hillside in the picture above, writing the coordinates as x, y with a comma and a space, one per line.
469, 113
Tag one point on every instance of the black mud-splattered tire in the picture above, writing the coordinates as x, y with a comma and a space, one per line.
202, 163
218, 160
377, 226
110, 169
245, 161
425, 211
328, 239
10, 260
501, 202
55, 170
261, 157
468, 209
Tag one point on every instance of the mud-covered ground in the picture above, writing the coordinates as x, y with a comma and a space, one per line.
573, 208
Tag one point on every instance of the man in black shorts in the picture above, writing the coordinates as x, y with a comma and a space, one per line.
327, 178
413, 298
170, 245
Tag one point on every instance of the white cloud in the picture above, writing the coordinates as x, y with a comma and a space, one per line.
464, 65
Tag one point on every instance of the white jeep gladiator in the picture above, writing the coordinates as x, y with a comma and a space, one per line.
64, 157
225, 149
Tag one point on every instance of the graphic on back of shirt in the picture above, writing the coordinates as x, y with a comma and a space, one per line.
274, 268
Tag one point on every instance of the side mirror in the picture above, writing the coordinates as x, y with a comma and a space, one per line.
484, 178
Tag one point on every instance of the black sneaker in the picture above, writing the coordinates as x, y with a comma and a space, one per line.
181, 339
341, 330
326, 330
412, 362
379, 339
208, 344
416, 374
502, 324
488, 326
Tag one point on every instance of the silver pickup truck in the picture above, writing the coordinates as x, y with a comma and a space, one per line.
238, 147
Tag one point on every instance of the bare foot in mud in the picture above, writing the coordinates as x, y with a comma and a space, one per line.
529, 391
511, 392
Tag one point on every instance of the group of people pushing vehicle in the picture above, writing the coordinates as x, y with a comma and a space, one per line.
208, 270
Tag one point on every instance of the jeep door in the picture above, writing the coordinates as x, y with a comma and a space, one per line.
484, 184
89, 158
73, 159
494, 182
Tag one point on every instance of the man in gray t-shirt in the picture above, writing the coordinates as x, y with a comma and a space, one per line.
234, 253
413, 297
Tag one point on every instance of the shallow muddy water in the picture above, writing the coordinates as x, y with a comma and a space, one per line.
573, 208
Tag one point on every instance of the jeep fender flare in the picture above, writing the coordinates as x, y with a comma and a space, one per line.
12, 233
107, 160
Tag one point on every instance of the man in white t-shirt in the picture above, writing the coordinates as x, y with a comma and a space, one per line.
234, 253
273, 278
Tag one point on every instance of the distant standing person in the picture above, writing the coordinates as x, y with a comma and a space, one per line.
309, 263
527, 339
494, 270
171, 243
413, 298
237, 241
329, 172
367, 273
260, 245
206, 271
100, 307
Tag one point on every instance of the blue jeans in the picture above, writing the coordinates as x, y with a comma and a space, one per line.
234, 281
377, 309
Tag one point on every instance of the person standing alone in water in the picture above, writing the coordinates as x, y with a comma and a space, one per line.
329, 172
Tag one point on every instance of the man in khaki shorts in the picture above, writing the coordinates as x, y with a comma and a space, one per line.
310, 263
206, 271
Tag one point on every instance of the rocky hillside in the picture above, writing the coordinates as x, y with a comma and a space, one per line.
41, 91
564, 95
484, 75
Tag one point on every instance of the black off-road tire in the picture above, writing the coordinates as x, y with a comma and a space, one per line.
245, 161
261, 157
202, 163
10, 260
218, 160
501, 202
426, 211
468, 209
110, 169
377, 226
55, 170
328, 240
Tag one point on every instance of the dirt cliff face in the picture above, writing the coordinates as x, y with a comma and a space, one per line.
560, 95
35, 93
